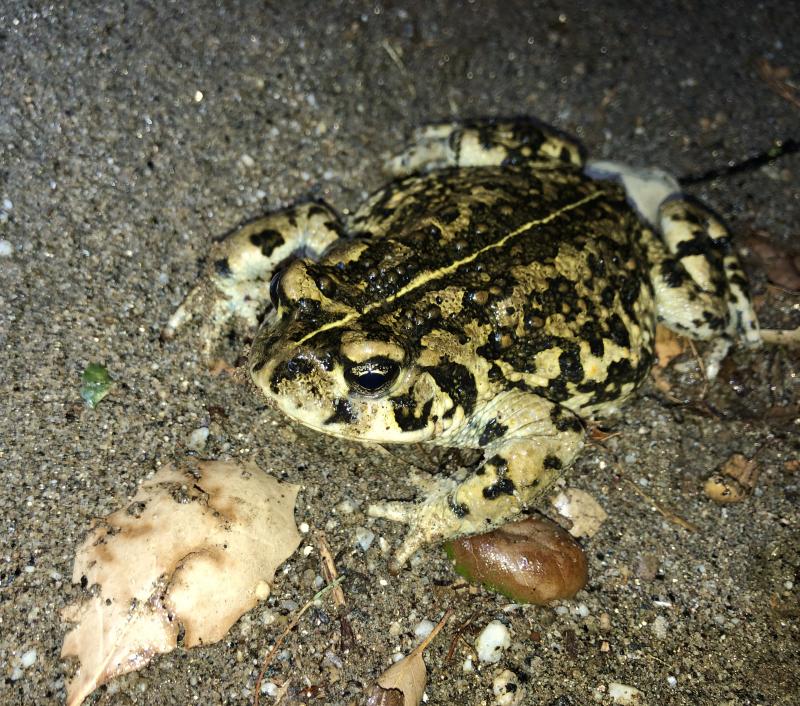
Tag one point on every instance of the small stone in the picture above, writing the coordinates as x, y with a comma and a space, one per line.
660, 627
494, 638
624, 694
507, 689
197, 439
6, 248
364, 537
28, 658
423, 628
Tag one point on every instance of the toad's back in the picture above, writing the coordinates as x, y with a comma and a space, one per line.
530, 279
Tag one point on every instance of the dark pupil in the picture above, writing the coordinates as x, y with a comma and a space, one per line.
372, 375
273, 288
372, 380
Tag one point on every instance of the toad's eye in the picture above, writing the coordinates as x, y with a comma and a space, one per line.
273, 288
371, 377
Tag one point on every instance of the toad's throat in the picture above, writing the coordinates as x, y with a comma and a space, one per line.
433, 275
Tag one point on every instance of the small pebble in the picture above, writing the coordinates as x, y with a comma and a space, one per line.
660, 627
507, 689
467, 666
197, 439
364, 537
423, 628
624, 694
6, 248
494, 638
346, 507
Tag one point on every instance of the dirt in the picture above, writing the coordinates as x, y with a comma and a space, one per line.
133, 134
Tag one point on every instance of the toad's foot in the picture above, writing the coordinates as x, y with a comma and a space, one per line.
527, 441
431, 521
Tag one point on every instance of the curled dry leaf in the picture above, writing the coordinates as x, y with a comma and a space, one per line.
734, 481
582, 509
532, 561
194, 549
403, 684
668, 345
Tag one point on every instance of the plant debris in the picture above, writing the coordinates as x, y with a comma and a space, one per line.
96, 383
582, 510
734, 481
531, 561
192, 552
403, 684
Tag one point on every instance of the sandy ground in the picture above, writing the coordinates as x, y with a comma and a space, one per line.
133, 134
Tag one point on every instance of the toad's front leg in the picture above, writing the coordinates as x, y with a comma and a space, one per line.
527, 441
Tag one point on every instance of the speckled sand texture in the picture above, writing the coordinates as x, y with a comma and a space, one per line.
132, 134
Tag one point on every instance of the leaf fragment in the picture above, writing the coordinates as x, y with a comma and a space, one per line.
403, 684
96, 383
194, 550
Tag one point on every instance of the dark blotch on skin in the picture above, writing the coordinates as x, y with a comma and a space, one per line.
290, 370
570, 364
505, 486
457, 382
459, 509
493, 430
552, 462
222, 267
267, 240
564, 420
343, 413
404, 406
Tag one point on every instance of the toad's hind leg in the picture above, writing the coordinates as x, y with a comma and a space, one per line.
483, 144
701, 290
235, 287
527, 441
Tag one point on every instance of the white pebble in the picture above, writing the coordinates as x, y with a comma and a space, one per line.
346, 507
7, 204
624, 694
304, 528
507, 689
6, 248
660, 627
28, 658
423, 628
364, 537
672, 681
269, 688
467, 666
247, 161
197, 439
494, 638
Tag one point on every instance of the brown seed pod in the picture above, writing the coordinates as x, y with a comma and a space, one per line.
532, 561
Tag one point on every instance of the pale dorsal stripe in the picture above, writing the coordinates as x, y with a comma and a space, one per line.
433, 275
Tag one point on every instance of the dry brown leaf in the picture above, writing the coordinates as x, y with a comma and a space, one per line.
582, 509
403, 684
734, 481
782, 267
669, 345
194, 549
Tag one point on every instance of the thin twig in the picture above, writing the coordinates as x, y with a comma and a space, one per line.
666, 512
291, 626
420, 648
